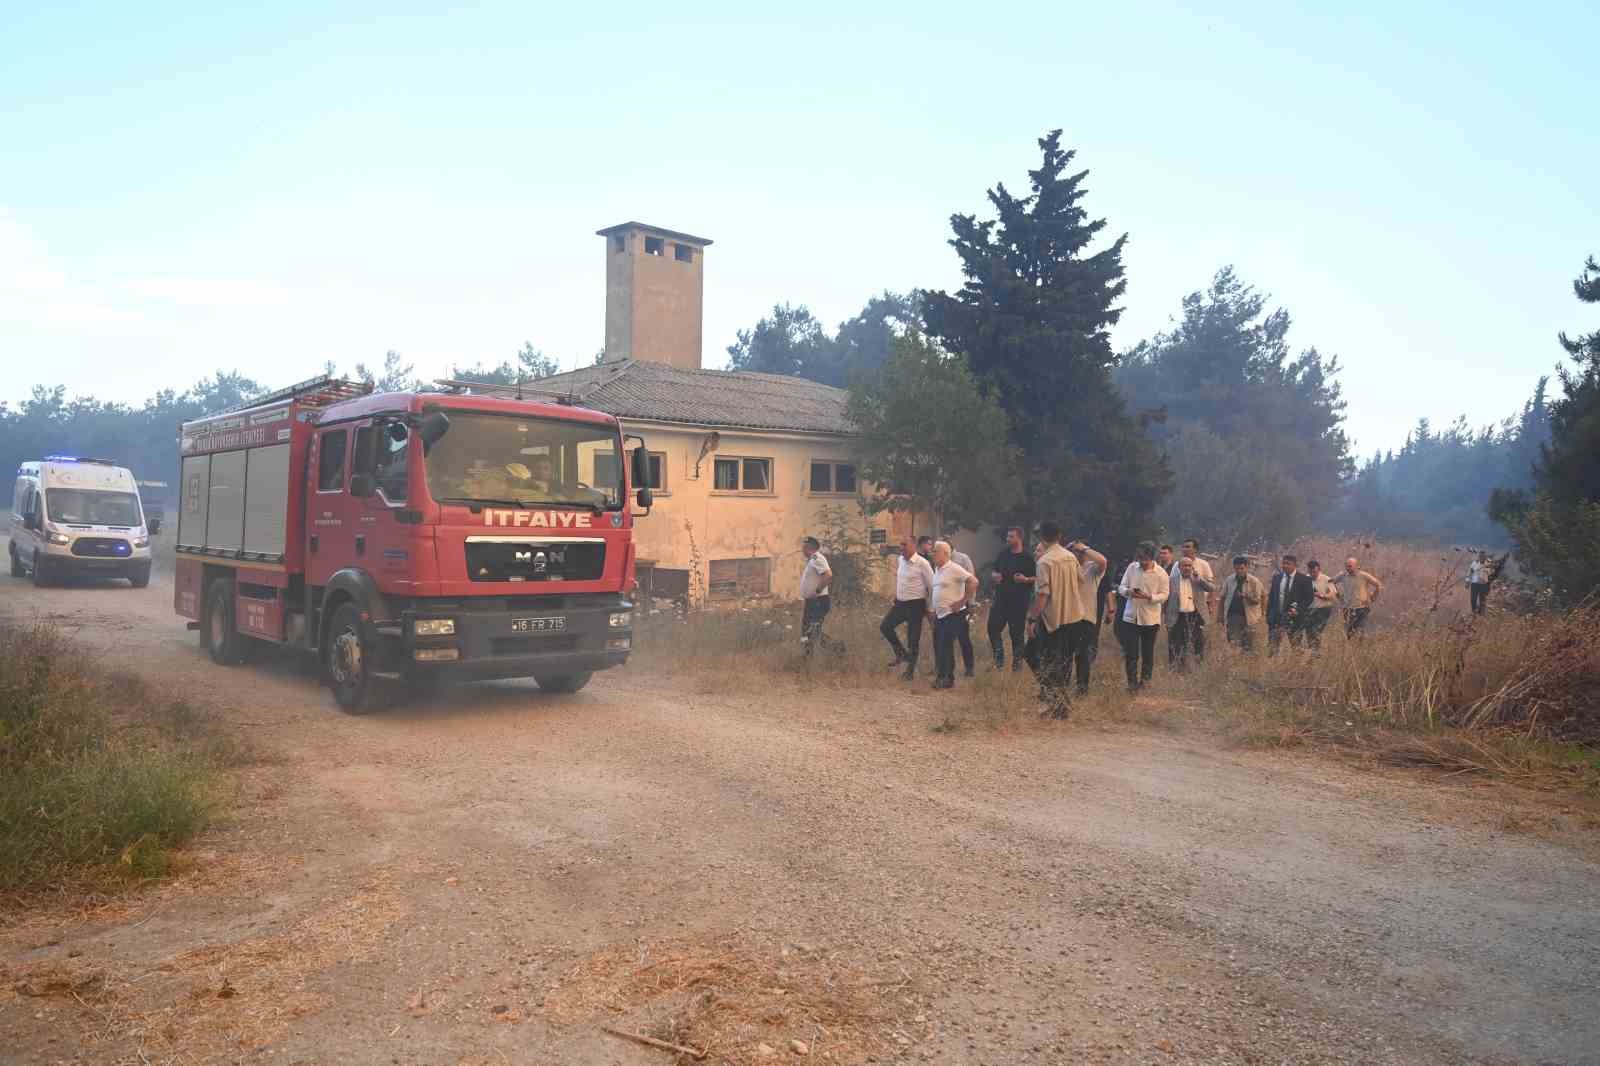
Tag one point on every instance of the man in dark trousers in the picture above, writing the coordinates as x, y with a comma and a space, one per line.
1288, 599
913, 592
1013, 574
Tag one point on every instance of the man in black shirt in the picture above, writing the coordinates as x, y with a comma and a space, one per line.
1013, 574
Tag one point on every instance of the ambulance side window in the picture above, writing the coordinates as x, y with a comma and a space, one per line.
330, 461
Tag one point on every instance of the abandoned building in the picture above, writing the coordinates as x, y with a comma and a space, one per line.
742, 465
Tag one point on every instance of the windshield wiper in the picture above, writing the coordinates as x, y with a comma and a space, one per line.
475, 501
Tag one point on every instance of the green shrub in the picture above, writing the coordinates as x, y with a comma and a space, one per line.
89, 781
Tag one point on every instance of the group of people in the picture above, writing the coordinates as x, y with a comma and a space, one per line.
1052, 601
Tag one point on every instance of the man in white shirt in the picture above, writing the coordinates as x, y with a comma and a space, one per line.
1189, 589
964, 638
1324, 596
814, 598
1145, 587
913, 592
1479, 573
954, 589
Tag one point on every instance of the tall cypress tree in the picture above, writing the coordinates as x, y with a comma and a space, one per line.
1033, 320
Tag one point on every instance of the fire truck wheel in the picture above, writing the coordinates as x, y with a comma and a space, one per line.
348, 664
562, 682
219, 630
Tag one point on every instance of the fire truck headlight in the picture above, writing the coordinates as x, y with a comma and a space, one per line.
59, 538
434, 627
621, 619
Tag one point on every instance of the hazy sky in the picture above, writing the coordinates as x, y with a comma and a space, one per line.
188, 188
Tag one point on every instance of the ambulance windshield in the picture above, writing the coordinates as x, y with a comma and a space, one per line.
91, 507
510, 460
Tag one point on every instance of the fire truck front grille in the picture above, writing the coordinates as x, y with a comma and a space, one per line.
532, 645
535, 561
102, 547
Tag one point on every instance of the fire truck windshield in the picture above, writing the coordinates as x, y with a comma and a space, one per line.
489, 458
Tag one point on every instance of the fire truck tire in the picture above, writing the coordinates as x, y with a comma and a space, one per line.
219, 629
347, 664
16, 564
562, 682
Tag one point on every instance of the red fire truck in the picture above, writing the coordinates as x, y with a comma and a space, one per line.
408, 536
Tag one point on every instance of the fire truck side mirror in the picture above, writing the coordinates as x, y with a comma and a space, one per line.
434, 425
645, 498
641, 467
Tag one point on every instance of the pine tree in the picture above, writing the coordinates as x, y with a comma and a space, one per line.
1033, 320
1557, 530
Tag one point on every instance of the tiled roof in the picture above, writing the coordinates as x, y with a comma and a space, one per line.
724, 398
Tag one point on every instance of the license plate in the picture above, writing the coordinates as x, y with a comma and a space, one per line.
551, 624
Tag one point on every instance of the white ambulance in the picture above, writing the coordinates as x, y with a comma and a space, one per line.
74, 517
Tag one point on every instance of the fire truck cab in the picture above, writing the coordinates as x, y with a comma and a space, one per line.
409, 536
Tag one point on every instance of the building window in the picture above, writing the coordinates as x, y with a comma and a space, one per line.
829, 478
738, 474
605, 471
683, 253
737, 579
619, 243
654, 246
330, 461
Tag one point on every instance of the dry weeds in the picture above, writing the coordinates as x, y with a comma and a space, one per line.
729, 997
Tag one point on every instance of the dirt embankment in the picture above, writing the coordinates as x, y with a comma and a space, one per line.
492, 875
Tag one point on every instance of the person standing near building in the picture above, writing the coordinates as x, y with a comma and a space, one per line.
1479, 573
1188, 603
815, 601
1012, 574
1145, 587
1287, 597
1324, 594
1056, 588
1359, 590
1240, 605
913, 594
954, 589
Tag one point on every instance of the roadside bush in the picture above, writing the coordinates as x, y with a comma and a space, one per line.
85, 786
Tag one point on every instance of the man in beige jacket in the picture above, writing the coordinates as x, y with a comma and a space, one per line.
1241, 605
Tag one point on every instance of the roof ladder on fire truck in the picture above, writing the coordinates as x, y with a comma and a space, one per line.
320, 391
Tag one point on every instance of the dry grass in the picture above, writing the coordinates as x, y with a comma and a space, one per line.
729, 997
101, 776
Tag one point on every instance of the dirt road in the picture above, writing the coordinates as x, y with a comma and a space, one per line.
491, 874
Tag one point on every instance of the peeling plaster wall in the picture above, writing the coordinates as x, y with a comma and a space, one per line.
691, 524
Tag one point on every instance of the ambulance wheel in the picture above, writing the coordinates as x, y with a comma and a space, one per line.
348, 663
16, 564
219, 629
40, 577
140, 578
562, 682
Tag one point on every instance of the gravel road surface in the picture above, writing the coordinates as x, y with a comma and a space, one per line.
489, 874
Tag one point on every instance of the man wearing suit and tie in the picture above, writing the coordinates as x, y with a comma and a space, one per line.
1288, 599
